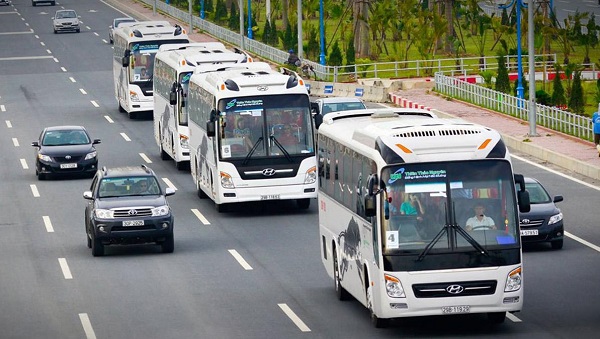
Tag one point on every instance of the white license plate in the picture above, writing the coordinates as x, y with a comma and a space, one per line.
68, 165
456, 309
133, 223
270, 197
529, 232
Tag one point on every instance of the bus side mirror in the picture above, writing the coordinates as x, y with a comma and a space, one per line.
522, 194
370, 205
125, 59
318, 120
210, 124
314, 108
172, 98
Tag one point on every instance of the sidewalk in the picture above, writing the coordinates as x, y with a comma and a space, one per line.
564, 151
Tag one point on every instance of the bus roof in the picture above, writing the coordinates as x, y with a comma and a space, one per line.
412, 136
192, 45
158, 30
180, 56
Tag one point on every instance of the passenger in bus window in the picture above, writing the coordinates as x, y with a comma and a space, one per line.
144, 74
412, 206
480, 221
287, 137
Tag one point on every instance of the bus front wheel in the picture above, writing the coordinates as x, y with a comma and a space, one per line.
497, 317
303, 204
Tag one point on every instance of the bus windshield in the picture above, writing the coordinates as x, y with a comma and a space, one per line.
426, 204
265, 126
182, 106
142, 59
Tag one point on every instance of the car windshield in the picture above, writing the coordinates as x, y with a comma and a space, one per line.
342, 106
128, 186
66, 15
120, 21
537, 194
65, 137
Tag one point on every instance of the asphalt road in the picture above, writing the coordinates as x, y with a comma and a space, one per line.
251, 273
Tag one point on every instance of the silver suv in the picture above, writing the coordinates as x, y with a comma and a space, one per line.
65, 20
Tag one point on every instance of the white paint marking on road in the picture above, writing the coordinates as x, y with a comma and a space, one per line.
65, 268
37, 36
49, 51
48, 224
2, 108
586, 243
27, 24
169, 183
63, 69
34, 190
96, 34
88, 27
288, 311
15, 142
125, 137
556, 172
55, 60
87, 326
105, 41
82, 91
513, 317
145, 157
109, 119
72, 79
27, 58
42, 43
200, 216
240, 260
8, 124
24, 164
94, 103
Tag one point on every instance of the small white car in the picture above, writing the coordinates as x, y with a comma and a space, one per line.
116, 23
65, 20
335, 104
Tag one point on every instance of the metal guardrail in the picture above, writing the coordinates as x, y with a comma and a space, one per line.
550, 117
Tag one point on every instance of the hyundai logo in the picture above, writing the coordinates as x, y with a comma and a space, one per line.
68, 157
262, 88
132, 212
455, 289
269, 172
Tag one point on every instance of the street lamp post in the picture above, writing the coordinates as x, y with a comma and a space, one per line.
249, 20
201, 9
322, 33
520, 90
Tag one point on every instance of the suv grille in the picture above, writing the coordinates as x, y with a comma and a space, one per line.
133, 212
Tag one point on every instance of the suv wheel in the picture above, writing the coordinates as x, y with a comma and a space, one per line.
168, 246
97, 247
557, 244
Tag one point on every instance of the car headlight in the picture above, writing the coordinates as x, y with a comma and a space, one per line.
104, 214
311, 175
44, 157
133, 96
91, 155
513, 281
555, 218
160, 211
393, 287
226, 180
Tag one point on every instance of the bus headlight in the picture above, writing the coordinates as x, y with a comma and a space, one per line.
184, 141
133, 96
104, 214
393, 287
226, 180
311, 175
91, 155
555, 218
513, 281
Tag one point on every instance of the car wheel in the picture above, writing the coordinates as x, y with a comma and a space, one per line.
221, 208
557, 244
53, 3
41, 176
131, 115
163, 154
33, 4
168, 246
497, 317
303, 204
78, 30
121, 109
201, 193
97, 247
341, 292
55, 32
89, 239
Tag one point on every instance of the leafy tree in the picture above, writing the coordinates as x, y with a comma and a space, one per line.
313, 49
589, 40
502, 80
543, 98
266, 33
576, 100
335, 57
220, 12
234, 19
350, 56
558, 91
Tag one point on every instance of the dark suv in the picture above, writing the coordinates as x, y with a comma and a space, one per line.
126, 205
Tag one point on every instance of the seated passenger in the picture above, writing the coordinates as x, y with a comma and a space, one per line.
287, 138
480, 221
412, 206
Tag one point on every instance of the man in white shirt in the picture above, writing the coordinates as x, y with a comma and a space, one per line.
480, 221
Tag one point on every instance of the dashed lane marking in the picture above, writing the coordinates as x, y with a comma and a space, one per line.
200, 216
24, 164
145, 157
109, 119
65, 268
94, 103
125, 137
169, 183
8, 124
34, 191
82, 91
87, 326
240, 260
15, 142
288, 311
48, 224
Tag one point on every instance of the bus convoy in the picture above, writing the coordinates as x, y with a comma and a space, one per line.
173, 68
395, 194
135, 46
396, 187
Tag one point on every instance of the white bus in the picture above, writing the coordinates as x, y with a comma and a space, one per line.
133, 61
173, 68
251, 136
395, 196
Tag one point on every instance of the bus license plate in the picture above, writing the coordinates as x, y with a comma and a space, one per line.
270, 197
529, 232
133, 223
456, 309
68, 165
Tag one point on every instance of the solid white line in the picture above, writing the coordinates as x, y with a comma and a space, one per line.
169, 183
125, 137
556, 172
94, 103
82, 91
15, 142
26, 58
65, 268
48, 224
63, 69
288, 311
2, 108
240, 260
586, 243
513, 317
72, 79
109, 119
35, 191
24, 164
8, 124
200, 216
145, 157
87, 326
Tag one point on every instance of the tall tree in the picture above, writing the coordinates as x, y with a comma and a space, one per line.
361, 27
576, 100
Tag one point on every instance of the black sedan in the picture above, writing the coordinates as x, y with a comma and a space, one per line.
544, 223
65, 150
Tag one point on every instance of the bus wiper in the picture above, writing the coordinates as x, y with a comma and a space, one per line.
432, 243
252, 150
470, 239
287, 155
